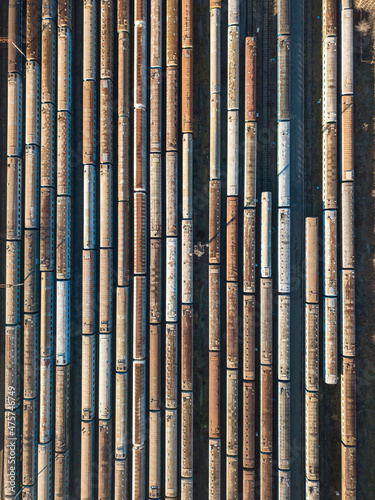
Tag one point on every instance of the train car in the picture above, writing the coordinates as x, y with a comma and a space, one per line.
13, 197
232, 325
12, 277
215, 136
105, 290
284, 425
63, 299
215, 45
347, 136
30, 355
155, 110
49, 9
139, 402
45, 480
123, 15
140, 224
347, 225
172, 278
233, 152
348, 402
139, 317
284, 337
285, 484
89, 204
29, 492
330, 79
347, 67
232, 239
214, 307
64, 180
87, 459
248, 484
187, 176
89, 40
266, 321
123, 244
14, 128
156, 34
172, 31
329, 166
105, 377
284, 250
349, 471
48, 82
139, 71
330, 252
154, 367
330, 340
283, 17
155, 281
29, 441
171, 453
45, 399
121, 478
154, 454
123, 159
187, 262
63, 237
122, 329
250, 79
266, 225
155, 196
32, 188
47, 315
64, 69
232, 478
214, 395
62, 408
187, 91
265, 409
31, 271
106, 39
106, 121
283, 78
312, 435
311, 260
283, 163
12, 367
15, 33
250, 198
105, 459
32, 104
232, 412
89, 122
329, 18
171, 366
64, 13
88, 291
248, 451
187, 488
106, 206
172, 108
249, 337
47, 229
214, 222
214, 477
88, 377
312, 490
48, 145
249, 226
187, 347
171, 194
140, 163
61, 476
121, 416
138, 471
312, 347
348, 312
186, 434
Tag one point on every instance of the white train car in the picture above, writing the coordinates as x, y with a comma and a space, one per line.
233, 68
14, 193
284, 250
89, 203
88, 377
233, 152
12, 277
215, 135
330, 253
214, 467
14, 129
171, 462
285, 484
312, 435
32, 186
89, 40
330, 340
63, 293
32, 105
283, 163
105, 377
187, 176
284, 425
121, 416
122, 329
172, 279
64, 72
284, 338
45, 399
187, 262
266, 226
312, 347
330, 79
215, 59
347, 69
312, 490
250, 198
45, 471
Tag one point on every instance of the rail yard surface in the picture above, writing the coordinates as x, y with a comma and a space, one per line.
187, 249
